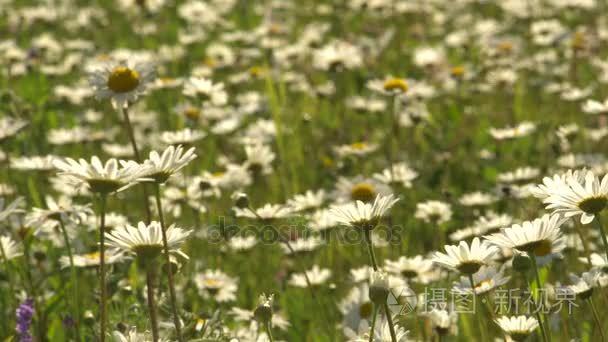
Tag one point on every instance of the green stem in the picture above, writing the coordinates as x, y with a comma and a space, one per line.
268, 331
596, 317
102, 268
537, 313
598, 223
74, 280
152, 303
285, 241
131, 133
176, 320
482, 327
367, 233
371, 329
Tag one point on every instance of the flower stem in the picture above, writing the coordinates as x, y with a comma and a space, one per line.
268, 331
102, 268
74, 280
161, 218
371, 329
596, 317
598, 223
131, 133
152, 303
285, 241
367, 233
529, 282
482, 327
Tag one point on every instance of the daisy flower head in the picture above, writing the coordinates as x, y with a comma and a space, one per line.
100, 178
9, 248
92, 259
518, 327
317, 276
389, 86
465, 258
359, 189
540, 237
397, 174
433, 212
583, 286
161, 167
217, 285
364, 215
121, 82
415, 268
186, 136
207, 90
575, 193
146, 241
486, 279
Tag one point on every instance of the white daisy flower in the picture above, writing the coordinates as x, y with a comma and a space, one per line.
186, 136
207, 90
145, 240
121, 82
308, 200
217, 285
486, 279
173, 159
575, 193
98, 177
112, 256
9, 249
364, 215
316, 275
541, 237
259, 158
267, 212
518, 327
464, 258
359, 189
433, 212
416, 268
397, 174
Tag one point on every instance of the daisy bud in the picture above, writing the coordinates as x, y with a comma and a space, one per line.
522, 262
241, 200
378, 289
263, 313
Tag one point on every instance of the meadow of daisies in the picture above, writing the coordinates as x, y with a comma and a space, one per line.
311, 170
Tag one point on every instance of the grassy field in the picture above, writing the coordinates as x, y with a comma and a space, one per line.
299, 170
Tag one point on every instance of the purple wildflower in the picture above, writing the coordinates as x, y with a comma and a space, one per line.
25, 312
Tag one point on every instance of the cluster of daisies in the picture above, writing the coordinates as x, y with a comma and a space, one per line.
368, 170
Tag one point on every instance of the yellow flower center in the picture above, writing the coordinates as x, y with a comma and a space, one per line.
364, 192
395, 84
212, 283
481, 284
218, 174
593, 205
123, 80
92, 256
457, 71
359, 146
192, 113
505, 47
257, 71
578, 41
